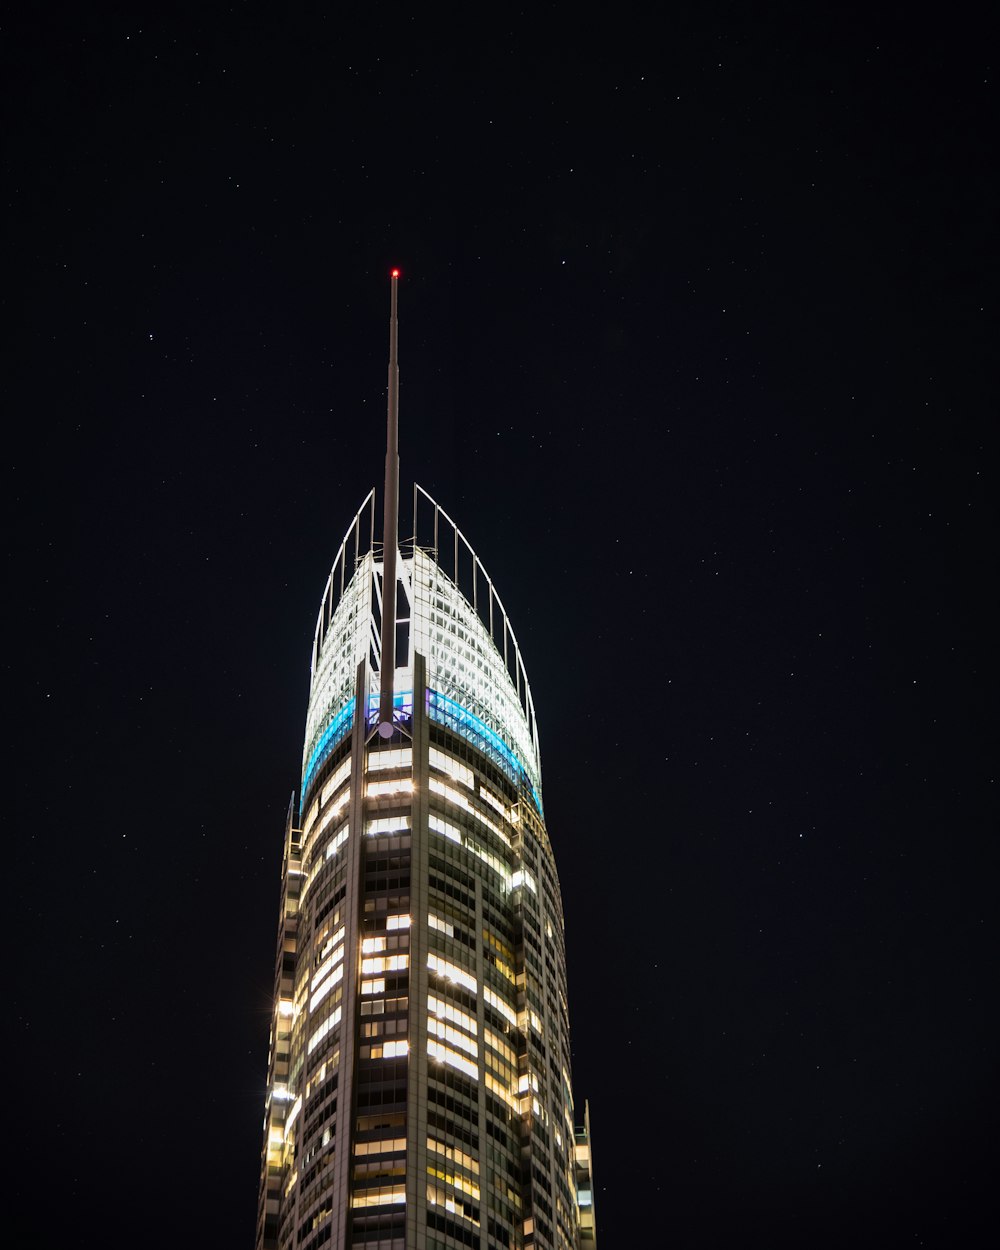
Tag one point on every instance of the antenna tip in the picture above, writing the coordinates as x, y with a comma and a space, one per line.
394, 273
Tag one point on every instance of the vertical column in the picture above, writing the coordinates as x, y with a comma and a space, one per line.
416, 1109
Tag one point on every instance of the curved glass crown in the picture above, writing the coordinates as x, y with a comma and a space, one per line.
449, 613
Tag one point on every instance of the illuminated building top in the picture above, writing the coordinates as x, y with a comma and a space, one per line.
475, 670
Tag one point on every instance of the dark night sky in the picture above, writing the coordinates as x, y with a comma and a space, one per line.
695, 328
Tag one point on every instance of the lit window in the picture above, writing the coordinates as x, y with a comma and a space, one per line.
388, 1146
453, 1154
445, 1054
500, 1047
388, 825
310, 820
326, 987
384, 963
442, 926
503, 1070
336, 843
493, 801
502, 1090
524, 877
438, 1028
461, 1183
504, 969
505, 1009
442, 826
377, 789
460, 800
452, 972
455, 770
332, 941
492, 861
373, 986
438, 1197
331, 961
332, 813
385, 1050
491, 939
448, 1011
384, 1196
325, 1069
397, 922
293, 1115
329, 1023
336, 780
456, 835
401, 757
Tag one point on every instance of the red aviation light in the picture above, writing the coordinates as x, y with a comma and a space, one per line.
394, 273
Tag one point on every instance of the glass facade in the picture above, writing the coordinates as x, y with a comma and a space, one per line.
419, 1089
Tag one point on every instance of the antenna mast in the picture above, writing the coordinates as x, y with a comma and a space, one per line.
390, 529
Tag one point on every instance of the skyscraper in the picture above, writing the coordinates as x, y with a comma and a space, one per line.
419, 1089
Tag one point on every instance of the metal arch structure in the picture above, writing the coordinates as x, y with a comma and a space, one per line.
344, 634
488, 610
335, 583
477, 684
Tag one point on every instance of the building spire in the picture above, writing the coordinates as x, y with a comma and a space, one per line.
390, 527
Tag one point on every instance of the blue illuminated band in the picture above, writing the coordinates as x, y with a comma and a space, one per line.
402, 706
451, 714
335, 732
439, 708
